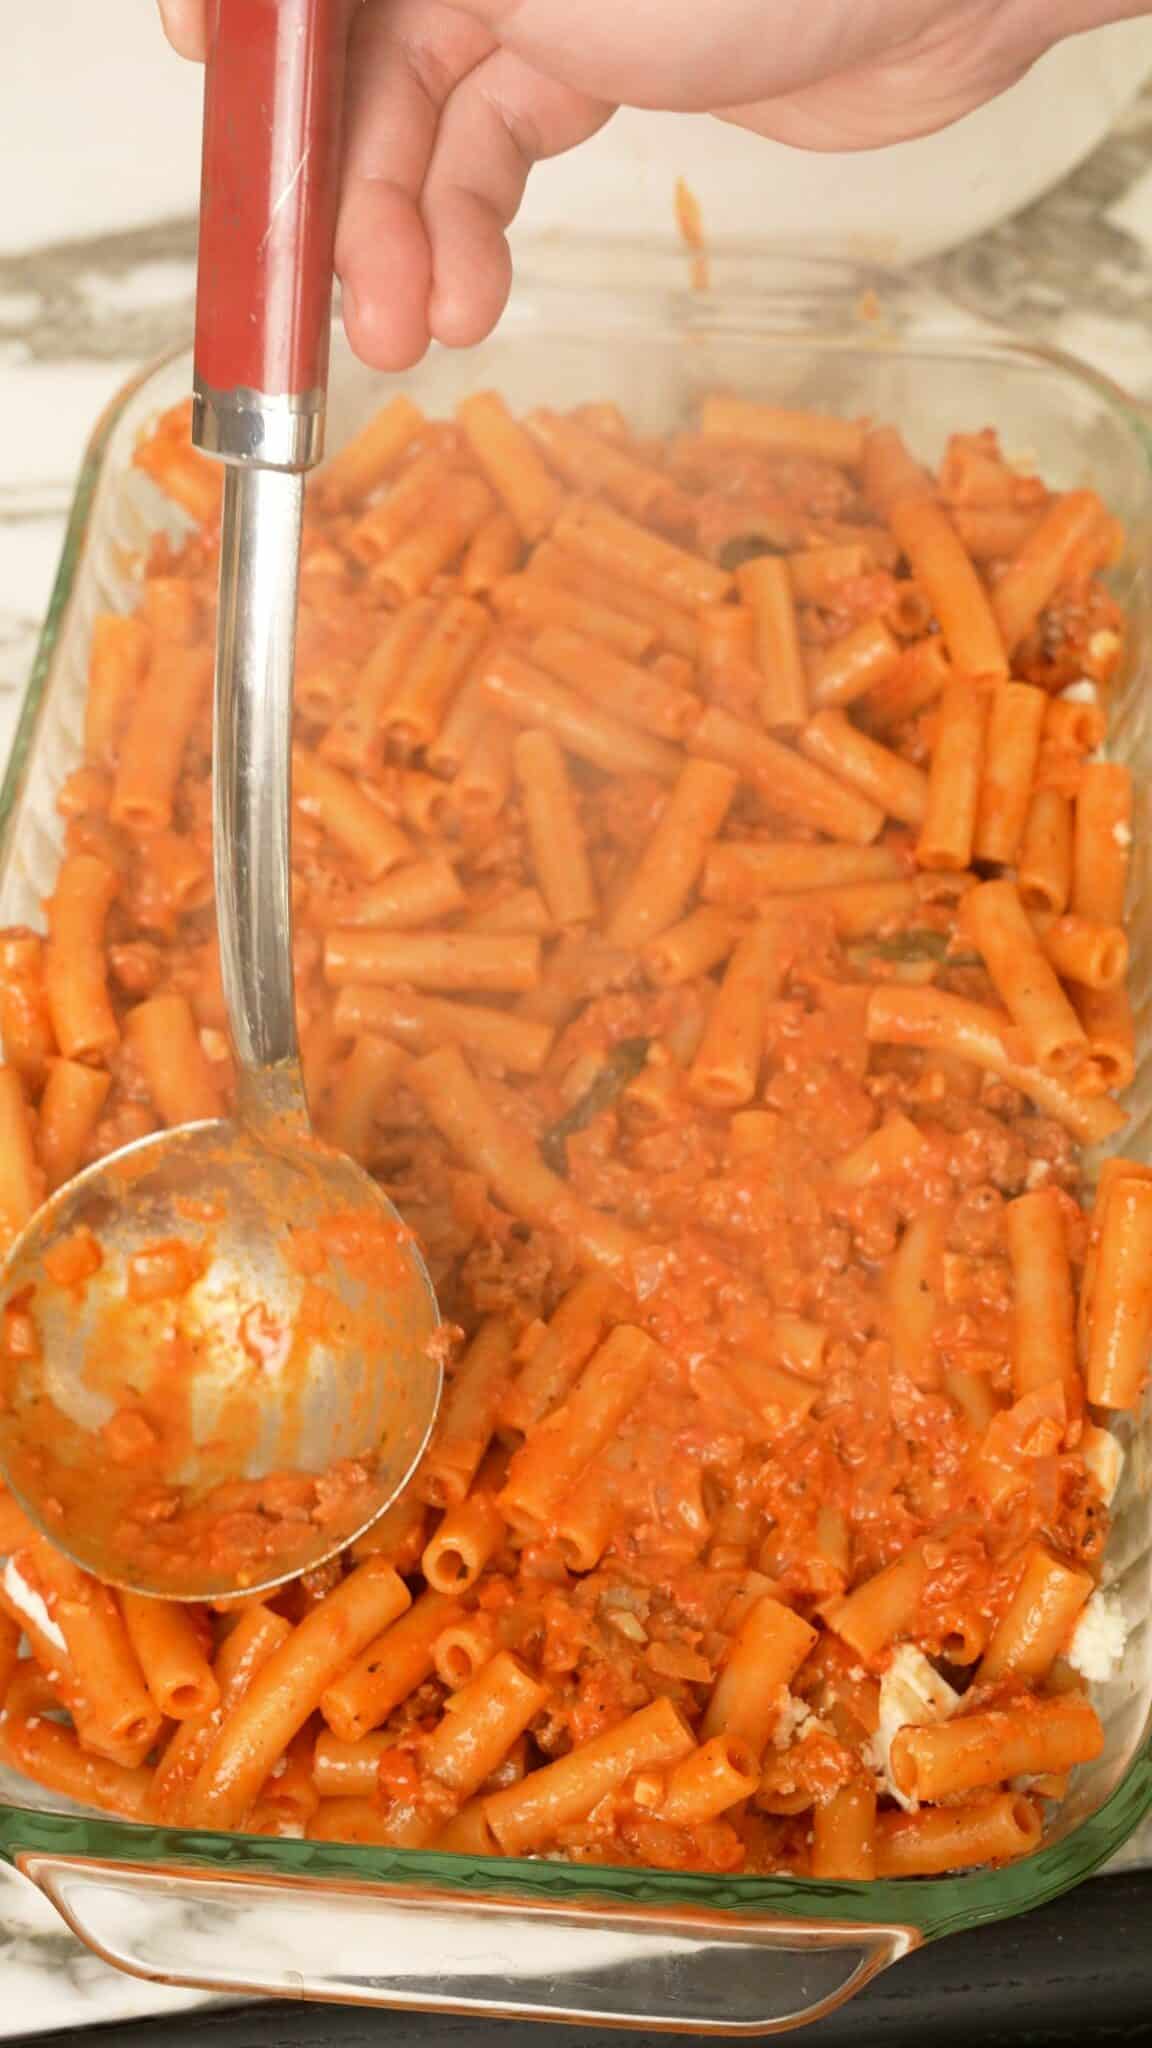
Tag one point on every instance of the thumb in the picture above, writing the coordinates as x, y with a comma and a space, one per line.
186, 27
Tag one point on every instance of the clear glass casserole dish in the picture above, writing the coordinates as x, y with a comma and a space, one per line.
540, 1938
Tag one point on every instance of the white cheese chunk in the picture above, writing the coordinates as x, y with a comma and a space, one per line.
1083, 692
790, 1718
1097, 1647
1103, 1459
28, 1603
912, 1695
795, 1720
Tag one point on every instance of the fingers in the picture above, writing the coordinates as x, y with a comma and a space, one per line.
385, 266
443, 129
185, 25
407, 57
500, 120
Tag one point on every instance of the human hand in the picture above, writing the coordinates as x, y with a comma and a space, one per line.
450, 105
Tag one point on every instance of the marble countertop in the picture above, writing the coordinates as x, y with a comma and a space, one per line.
81, 309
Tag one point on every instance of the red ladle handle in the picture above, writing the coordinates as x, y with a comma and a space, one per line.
269, 188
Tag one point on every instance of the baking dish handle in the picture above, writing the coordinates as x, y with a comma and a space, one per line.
449, 1951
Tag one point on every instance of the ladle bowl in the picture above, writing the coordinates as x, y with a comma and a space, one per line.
220, 1362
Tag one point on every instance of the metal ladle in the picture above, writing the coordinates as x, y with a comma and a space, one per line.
297, 1344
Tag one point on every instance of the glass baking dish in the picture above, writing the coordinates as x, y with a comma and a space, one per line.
539, 1938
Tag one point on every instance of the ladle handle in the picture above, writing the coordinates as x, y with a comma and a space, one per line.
252, 791
273, 101
272, 110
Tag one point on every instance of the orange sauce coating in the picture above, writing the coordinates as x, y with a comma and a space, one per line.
830, 1386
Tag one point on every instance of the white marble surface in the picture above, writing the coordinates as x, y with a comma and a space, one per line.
96, 245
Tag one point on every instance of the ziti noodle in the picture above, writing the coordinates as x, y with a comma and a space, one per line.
708, 930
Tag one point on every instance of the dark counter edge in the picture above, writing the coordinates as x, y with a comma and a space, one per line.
1080, 1969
